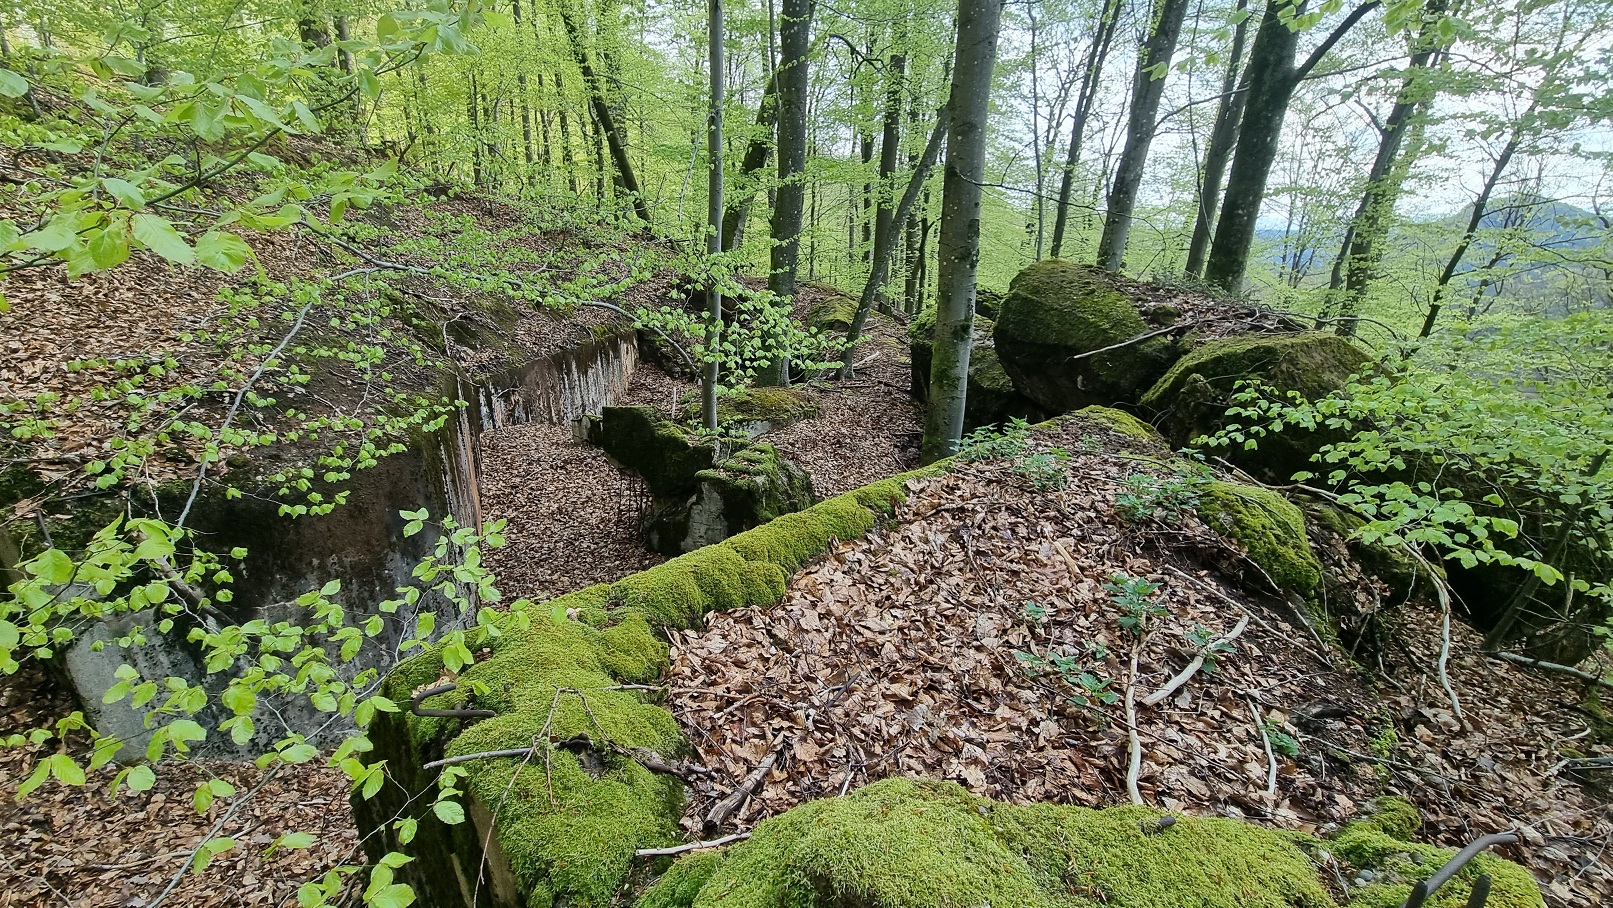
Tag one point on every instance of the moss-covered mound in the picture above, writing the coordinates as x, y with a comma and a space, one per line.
1382, 845
989, 303
1192, 398
1056, 313
774, 406
562, 824
906, 844
834, 312
1269, 527
1124, 423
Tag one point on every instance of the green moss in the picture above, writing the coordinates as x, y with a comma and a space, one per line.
1270, 528
906, 844
1055, 313
775, 405
667, 455
681, 885
833, 313
1122, 422
1381, 844
677, 593
922, 329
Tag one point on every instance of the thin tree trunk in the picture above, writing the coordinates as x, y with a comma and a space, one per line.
1502, 161
567, 159
795, 28
757, 153
602, 115
1148, 87
471, 113
1090, 80
884, 238
1362, 248
1272, 79
970, 106
714, 210
1223, 136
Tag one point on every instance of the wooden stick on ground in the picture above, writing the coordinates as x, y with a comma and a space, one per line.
1271, 755
722, 810
1516, 659
1135, 766
692, 846
1171, 686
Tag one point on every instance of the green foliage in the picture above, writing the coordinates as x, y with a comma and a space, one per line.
1146, 496
1133, 596
1480, 449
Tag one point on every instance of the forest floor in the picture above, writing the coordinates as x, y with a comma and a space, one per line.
960, 642
895, 654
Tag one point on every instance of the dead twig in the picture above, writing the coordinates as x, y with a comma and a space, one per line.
1271, 755
1171, 686
692, 846
1585, 676
722, 810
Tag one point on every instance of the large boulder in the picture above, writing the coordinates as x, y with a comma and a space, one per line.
1192, 398
1270, 530
1055, 317
992, 398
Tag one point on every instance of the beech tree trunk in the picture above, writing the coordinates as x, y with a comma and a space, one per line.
978, 24
603, 119
757, 153
1362, 248
1090, 80
885, 237
1148, 87
714, 208
1223, 135
1272, 78
795, 27
1474, 219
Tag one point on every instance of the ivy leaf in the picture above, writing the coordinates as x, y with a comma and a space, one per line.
158, 235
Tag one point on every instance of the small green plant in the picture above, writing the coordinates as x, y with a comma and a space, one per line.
989, 442
1281, 741
1044, 470
1205, 641
1089, 688
1134, 597
1146, 496
1033, 612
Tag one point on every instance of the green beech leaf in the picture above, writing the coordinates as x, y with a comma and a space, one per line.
157, 234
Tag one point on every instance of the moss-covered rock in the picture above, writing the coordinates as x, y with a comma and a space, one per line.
1381, 844
1192, 398
1403, 574
909, 844
755, 410
991, 398
667, 455
1056, 311
747, 489
1269, 527
834, 312
989, 303
1124, 423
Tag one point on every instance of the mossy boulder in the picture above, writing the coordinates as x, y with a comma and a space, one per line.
921, 352
1192, 398
902, 843
991, 398
985, 370
756, 410
1403, 574
667, 455
833, 313
1380, 849
753, 486
989, 303
1124, 423
1055, 315
1269, 528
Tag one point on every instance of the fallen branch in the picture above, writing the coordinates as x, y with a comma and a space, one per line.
1126, 343
1135, 766
1171, 686
722, 810
483, 755
692, 846
1271, 755
1216, 591
1585, 676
